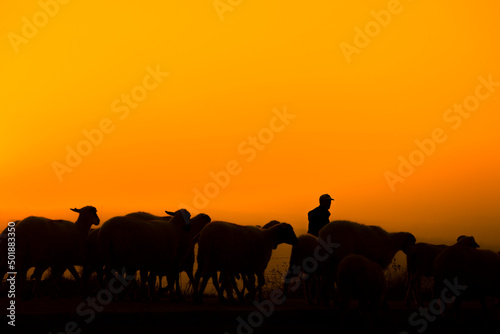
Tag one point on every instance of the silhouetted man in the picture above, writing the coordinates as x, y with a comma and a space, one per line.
320, 216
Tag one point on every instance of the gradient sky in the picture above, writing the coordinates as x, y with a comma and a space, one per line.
352, 114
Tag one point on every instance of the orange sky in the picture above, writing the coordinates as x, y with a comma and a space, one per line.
355, 102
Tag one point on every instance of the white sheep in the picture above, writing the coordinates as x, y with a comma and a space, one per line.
44, 243
371, 241
233, 249
362, 279
304, 250
420, 263
137, 244
476, 272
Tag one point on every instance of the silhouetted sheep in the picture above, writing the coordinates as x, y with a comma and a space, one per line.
233, 249
476, 271
137, 244
373, 242
304, 250
420, 263
362, 279
44, 243
186, 254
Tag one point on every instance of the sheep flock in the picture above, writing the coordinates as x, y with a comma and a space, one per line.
346, 262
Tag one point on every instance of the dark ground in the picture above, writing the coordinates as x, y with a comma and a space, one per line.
295, 316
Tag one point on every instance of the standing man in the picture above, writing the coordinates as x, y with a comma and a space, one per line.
320, 216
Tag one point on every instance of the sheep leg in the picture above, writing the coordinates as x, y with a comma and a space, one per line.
21, 282
151, 284
172, 279
77, 278
409, 290
226, 282
37, 276
56, 277
215, 282
251, 286
261, 280
178, 292
161, 289
198, 297
328, 288
309, 282
148, 282
191, 278
239, 293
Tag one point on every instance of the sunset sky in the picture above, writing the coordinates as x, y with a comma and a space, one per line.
279, 101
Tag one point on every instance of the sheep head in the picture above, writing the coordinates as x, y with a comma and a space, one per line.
285, 234
184, 215
405, 241
467, 241
89, 214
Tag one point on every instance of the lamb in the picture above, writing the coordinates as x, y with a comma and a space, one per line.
476, 272
129, 242
373, 242
305, 249
233, 249
43, 243
361, 279
420, 263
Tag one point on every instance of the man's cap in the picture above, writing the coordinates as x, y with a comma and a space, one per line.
325, 197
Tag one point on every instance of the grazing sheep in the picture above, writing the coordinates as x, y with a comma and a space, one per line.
476, 272
420, 262
305, 249
233, 249
129, 242
44, 243
362, 279
373, 242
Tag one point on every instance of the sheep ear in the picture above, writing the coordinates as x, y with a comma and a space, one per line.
170, 213
76, 210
